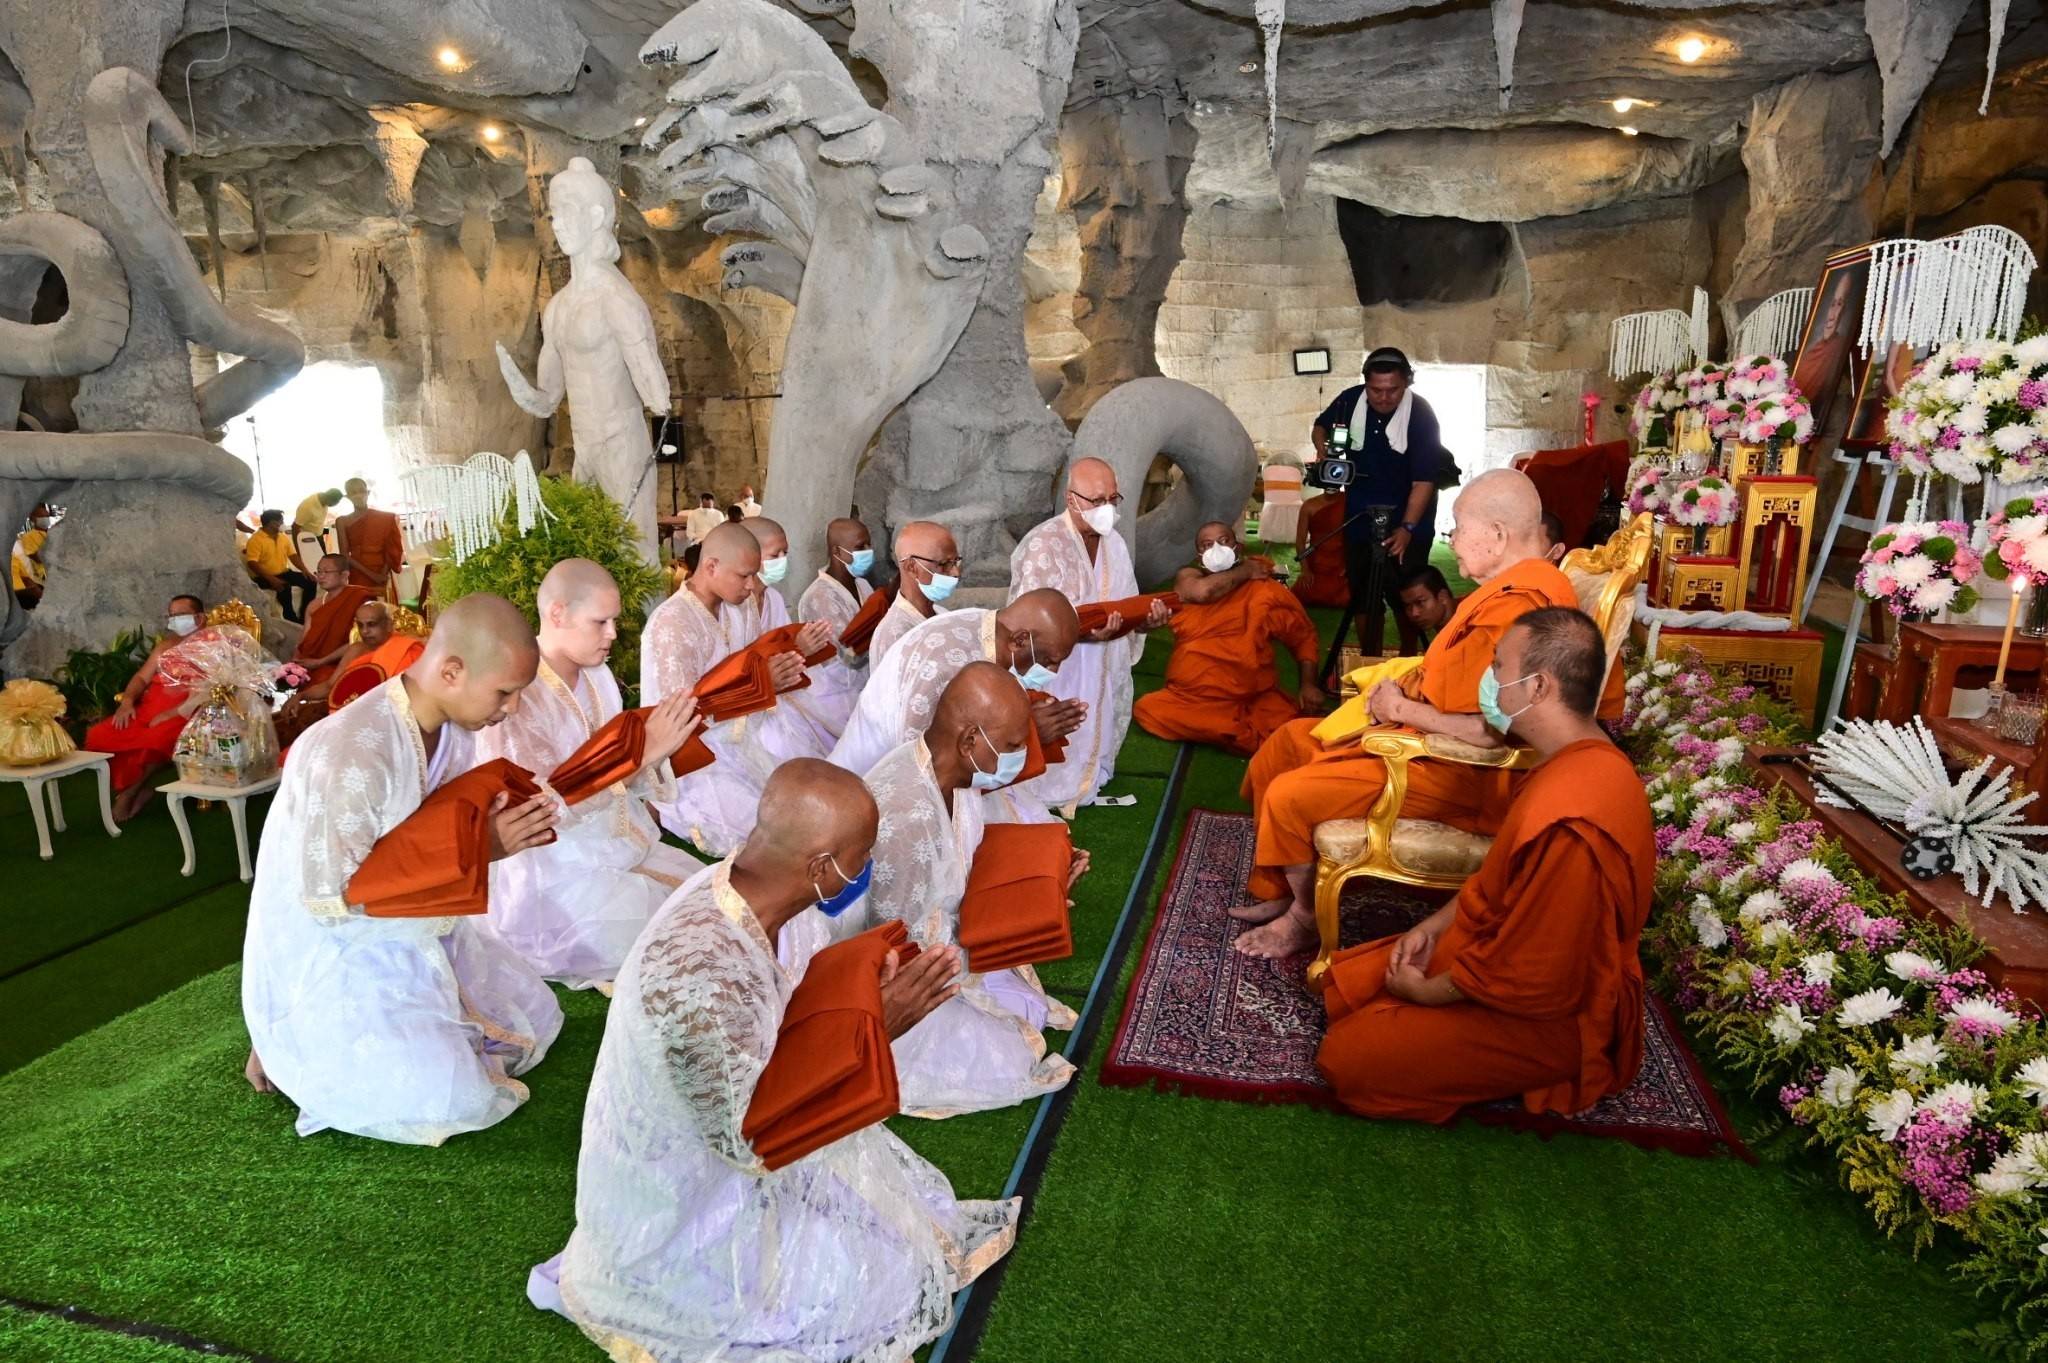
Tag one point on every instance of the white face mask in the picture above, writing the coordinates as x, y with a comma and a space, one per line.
773, 570
1008, 765
1101, 519
181, 624
1219, 558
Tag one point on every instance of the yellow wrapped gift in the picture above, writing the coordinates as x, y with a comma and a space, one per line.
29, 732
1353, 718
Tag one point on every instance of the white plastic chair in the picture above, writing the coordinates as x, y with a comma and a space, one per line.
1280, 513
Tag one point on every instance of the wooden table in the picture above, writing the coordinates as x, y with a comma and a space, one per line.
236, 798
36, 780
2018, 942
1931, 661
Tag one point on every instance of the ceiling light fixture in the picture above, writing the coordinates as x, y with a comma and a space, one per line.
1628, 131
1622, 106
1247, 68
1691, 50
449, 58
492, 132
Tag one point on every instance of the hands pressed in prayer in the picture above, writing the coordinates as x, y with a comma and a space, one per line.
1078, 867
1058, 718
813, 636
910, 992
1111, 628
670, 726
786, 670
514, 830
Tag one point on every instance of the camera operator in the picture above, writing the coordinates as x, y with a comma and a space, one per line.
1398, 451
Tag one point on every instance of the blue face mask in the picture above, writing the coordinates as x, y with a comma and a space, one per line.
850, 893
1008, 765
939, 588
1489, 701
1037, 676
860, 561
773, 570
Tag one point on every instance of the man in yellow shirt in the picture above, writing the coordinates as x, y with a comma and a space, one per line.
26, 573
309, 528
268, 556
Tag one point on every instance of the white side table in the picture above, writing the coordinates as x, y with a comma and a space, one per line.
34, 781
236, 798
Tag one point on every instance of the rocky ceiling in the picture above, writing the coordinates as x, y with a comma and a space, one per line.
371, 115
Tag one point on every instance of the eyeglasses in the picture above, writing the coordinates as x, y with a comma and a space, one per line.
1113, 499
944, 565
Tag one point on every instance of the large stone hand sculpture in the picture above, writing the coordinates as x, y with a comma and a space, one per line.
766, 124
598, 346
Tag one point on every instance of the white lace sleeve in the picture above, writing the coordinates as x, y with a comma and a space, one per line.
911, 845
712, 1010
348, 788
929, 665
672, 656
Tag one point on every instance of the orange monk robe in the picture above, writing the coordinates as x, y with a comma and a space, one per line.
1543, 947
150, 737
1294, 783
375, 541
376, 667
328, 624
1221, 685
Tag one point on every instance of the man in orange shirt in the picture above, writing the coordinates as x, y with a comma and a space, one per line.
372, 541
1527, 984
1221, 686
1294, 783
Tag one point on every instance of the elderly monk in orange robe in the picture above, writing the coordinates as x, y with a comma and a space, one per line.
1221, 686
1527, 983
1294, 783
329, 618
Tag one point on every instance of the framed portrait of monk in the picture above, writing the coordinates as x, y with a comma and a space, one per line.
1874, 386
1828, 343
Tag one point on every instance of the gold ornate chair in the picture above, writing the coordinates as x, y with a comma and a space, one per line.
1425, 852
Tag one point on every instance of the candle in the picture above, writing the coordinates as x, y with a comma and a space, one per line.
2012, 618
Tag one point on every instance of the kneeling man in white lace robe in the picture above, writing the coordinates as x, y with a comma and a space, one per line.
574, 907
686, 636
983, 1049
686, 1248
401, 1029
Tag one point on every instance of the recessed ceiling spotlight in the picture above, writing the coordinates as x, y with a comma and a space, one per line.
640, 122
1691, 50
1247, 68
492, 132
1622, 106
449, 58
1628, 132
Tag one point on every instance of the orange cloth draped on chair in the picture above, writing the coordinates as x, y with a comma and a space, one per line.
831, 1072
1133, 610
860, 631
614, 753
374, 668
1294, 783
1322, 581
1543, 947
150, 738
437, 863
328, 624
1014, 910
1221, 685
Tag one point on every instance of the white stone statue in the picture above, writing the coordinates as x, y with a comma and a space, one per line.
598, 343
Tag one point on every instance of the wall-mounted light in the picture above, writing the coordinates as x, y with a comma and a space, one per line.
1627, 131
1312, 361
1691, 50
1622, 106
1247, 68
449, 58
492, 132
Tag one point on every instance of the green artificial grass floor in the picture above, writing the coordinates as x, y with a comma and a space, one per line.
145, 1181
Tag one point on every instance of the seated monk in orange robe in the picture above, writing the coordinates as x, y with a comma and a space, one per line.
1294, 783
150, 712
373, 627
329, 618
1527, 983
1221, 686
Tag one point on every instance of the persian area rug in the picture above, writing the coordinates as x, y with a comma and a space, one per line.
1203, 1020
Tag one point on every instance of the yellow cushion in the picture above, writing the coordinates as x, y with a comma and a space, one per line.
1419, 845
1352, 718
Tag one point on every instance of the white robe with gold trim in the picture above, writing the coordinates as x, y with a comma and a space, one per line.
835, 683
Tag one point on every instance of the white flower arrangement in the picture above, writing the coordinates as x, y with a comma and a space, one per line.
1789, 1025
1917, 1058
1869, 1007
1974, 408
1884, 1117
1838, 1087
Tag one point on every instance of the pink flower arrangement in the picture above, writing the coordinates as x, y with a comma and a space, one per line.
1759, 376
1655, 403
1920, 568
1704, 501
290, 677
1973, 408
1779, 416
2018, 546
1646, 492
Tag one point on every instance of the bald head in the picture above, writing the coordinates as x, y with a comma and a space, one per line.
845, 532
848, 547
481, 656
925, 552
578, 604
815, 828
1500, 523
1043, 627
728, 560
572, 582
373, 622
769, 534
927, 540
982, 715
1213, 533
1091, 477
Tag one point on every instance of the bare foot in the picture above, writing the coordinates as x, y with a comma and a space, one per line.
131, 801
253, 1072
1290, 934
1265, 911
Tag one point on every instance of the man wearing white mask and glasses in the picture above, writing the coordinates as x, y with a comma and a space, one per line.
927, 570
983, 1048
1221, 685
1079, 554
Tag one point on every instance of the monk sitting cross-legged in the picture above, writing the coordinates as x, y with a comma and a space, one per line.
1295, 783
1221, 686
1527, 983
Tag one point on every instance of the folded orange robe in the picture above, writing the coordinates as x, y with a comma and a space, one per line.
1014, 911
1221, 685
1095, 614
740, 683
437, 863
1294, 783
1038, 755
614, 753
783, 640
1544, 949
831, 1072
860, 631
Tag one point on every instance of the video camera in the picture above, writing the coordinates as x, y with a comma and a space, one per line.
1334, 471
